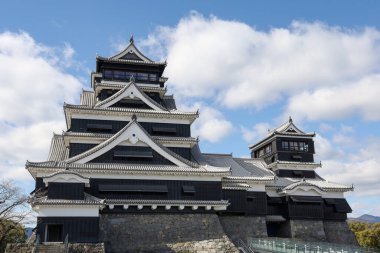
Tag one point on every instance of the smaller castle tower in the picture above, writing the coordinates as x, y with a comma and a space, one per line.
288, 151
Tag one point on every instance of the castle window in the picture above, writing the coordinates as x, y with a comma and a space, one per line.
153, 77
164, 130
125, 154
297, 173
285, 145
142, 76
108, 74
133, 188
303, 146
119, 75
188, 189
293, 145
126, 75
99, 127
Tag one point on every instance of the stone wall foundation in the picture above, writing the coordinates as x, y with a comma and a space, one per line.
339, 232
243, 227
308, 230
164, 233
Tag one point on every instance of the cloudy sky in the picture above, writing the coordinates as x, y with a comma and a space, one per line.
245, 66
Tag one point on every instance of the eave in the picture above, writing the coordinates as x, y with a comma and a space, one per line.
72, 136
293, 165
126, 169
100, 60
126, 112
231, 179
116, 85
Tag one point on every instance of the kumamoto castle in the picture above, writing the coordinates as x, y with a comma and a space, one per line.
128, 175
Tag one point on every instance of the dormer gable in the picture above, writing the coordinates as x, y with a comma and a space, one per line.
287, 128
66, 177
130, 91
131, 53
132, 133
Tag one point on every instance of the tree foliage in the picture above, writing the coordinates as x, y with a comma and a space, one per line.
13, 211
368, 235
11, 232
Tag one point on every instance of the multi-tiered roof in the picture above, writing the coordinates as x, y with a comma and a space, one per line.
127, 148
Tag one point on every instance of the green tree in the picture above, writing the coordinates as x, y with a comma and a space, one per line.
368, 235
10, 232
356, 226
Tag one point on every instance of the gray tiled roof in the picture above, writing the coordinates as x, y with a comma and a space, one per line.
322, 184
88, 200
291, 183
120, 85
58, 150
167, 202
157, 138
130, 110
65, 172
121, 167
169, 103
129, 61
240, 167
87, 98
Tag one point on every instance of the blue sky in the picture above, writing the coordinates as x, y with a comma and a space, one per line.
247, 66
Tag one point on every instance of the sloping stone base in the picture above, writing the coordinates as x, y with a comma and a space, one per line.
185, 233
308, 230
339, 232
244, 227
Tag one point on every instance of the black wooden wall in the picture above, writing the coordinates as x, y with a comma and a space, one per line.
294, 155
243, 202
296, 173
108, 157
79, 229
308, 210
203, 190
80, 125
66, 191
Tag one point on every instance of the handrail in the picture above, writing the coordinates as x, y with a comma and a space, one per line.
66, 242
292, 245
242, 246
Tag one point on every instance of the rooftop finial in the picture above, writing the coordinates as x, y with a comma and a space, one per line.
131, 38
290, 119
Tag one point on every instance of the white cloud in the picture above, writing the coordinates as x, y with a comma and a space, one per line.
324, 71
257, 132
34, 84
211, 125
337, 102
360, 168
325, 150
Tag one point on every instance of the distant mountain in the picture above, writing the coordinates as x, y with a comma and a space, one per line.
367, 218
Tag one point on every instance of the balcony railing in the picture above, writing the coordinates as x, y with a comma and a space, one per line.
287, 245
